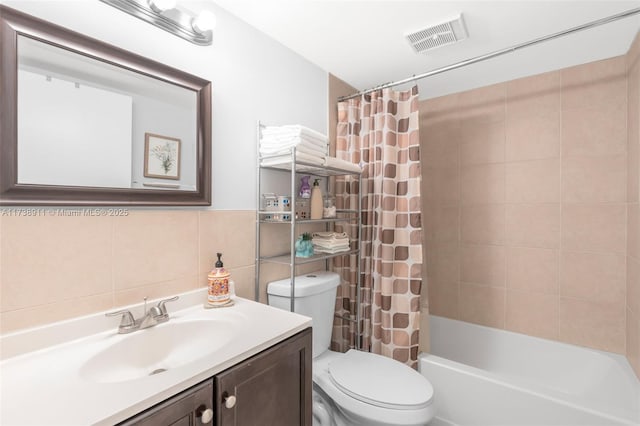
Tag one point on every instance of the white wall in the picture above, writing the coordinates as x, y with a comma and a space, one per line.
72, 135
253, 77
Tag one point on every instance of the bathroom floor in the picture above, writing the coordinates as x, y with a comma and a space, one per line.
440, 422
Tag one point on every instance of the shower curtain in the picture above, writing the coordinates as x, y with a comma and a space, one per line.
380, 131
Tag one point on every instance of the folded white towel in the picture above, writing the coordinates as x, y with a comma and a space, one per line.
294, 130
342, 164
270, 142
312, 149
279, 133
332, 241
330, 251
288, 137
332, 247
329, 235
306, 158
303, 147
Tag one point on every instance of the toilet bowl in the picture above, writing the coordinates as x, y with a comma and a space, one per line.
361, 388
352, 388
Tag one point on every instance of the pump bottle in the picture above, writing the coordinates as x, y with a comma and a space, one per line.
316, 200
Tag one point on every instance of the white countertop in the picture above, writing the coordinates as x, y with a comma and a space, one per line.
41, 381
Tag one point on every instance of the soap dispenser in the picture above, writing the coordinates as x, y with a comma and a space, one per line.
316, 200
218, 280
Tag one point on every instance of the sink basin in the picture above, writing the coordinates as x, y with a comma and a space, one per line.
157, 349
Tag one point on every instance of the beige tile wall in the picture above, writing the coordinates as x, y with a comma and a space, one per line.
525, 205
57, 267
633, 210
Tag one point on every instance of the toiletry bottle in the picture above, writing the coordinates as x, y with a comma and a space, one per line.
316, 200
305, 190
218, 279
329, 207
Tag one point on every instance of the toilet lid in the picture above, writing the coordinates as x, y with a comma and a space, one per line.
380, 381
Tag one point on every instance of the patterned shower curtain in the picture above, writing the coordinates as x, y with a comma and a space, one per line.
380, 131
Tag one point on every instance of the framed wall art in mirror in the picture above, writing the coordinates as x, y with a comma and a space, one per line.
87, 123
161, 157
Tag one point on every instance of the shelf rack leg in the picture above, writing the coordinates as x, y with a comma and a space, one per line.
258, 263
293, 230
358, 271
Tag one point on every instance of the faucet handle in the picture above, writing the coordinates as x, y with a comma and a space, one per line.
127, 320
161, 304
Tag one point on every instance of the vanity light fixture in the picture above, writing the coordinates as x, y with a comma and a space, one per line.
160, 6
167, 15
205, 21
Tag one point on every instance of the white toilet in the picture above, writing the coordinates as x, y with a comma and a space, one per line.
354, 388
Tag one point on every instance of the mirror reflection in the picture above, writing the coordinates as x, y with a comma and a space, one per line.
85, 123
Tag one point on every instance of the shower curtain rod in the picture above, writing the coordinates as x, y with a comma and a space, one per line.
497, 53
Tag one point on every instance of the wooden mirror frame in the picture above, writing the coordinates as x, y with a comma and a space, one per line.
12, 193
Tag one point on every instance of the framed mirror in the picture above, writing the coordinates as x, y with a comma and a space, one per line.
86, 123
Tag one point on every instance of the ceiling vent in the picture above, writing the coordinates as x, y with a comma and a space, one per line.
442, 34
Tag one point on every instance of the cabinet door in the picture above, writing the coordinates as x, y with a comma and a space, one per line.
272, 388
188, 408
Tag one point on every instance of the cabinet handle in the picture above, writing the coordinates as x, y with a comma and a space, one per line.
205, 414
230, 401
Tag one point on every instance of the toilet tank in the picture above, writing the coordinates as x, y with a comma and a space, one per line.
315, 297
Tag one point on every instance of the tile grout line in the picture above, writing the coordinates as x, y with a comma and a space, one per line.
627, 210
504, 197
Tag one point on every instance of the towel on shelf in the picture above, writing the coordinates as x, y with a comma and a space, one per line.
311, 146
270, 142
284, 159
268, 149
307, 158
342, 164
336, 246
330, 235
329, 251
330, 242
304, 155
287, 139
294, 130
272, 137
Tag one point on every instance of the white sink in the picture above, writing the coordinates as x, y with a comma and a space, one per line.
67, 366
157, 349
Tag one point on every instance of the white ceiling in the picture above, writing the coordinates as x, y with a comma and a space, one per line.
362, 42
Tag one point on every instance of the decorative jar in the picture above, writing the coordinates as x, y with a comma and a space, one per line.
304, 246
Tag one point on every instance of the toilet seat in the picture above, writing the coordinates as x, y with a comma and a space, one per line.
380, 381
383, 406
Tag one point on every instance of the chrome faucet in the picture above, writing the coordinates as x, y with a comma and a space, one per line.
154, 316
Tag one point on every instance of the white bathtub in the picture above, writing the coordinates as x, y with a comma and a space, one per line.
486, 376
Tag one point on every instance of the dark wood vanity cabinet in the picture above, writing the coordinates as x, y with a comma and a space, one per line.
189, 408
272, 388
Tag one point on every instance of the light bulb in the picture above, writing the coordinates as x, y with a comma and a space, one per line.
205, 21
161, 5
